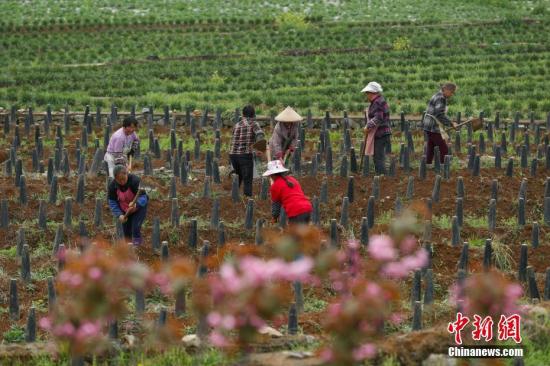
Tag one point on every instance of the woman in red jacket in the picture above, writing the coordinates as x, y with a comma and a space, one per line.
287, 193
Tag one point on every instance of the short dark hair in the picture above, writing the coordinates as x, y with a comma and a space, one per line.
130, 120
249, 111
448, 86
119, 168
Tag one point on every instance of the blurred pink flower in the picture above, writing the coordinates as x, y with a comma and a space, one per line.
327, 355
408, 245
353, 244
94, 273
334, 309
214, 319
416, 261
381, 248
88, 330
228, 322
395, 270
217, 339
365, 351
373, 290
76, 280
45, 323
298, 270
64, 330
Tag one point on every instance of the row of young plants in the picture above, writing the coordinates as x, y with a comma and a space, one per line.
74, 14
108, 46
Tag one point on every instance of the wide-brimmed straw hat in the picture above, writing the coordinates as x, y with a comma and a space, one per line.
288, 115
275, 167
145, 110
372, 87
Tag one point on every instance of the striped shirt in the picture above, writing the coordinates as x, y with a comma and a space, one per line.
245, 133
437, 107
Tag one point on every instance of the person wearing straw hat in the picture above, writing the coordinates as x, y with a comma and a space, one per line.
377, 126
435, 119
287, 193
285, 134
245, 133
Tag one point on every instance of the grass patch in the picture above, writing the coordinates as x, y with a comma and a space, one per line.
476, 242
442, 222
314, 305
477, 222
502, 256
10, 252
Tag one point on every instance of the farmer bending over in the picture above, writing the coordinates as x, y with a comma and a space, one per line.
285, 134
434, 121
129, 209
286, 192
122, 144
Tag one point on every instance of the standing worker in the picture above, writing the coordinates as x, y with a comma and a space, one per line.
285, 134
245, 133
287, 193
122, 145
377, 126
128, 203
434, 121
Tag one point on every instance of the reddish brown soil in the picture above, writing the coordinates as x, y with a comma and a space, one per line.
192, 205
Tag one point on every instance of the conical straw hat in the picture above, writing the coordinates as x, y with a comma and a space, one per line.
288, 115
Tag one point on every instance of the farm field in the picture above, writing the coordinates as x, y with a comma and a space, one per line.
499, 58
388, 261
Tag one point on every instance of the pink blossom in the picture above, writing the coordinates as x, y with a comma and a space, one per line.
76, 280
514, 291
88, 330
396, 318
214, 319
327, 355
408, 244
381, 248
64, 330
228, 322
299, 269
353, 244
64, 277
45, 323
334, 309
418, 260
395, 270
373, 290
365, 351
94, 273
217, 339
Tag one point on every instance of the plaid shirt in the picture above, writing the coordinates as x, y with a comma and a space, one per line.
437, 107
245, 133
378, 115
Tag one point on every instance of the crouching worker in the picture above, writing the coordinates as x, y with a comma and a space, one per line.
287, 193
128, 203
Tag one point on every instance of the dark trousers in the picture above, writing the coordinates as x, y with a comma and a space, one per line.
381, 146
244, 167
300, 219
435, 139
132, 226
